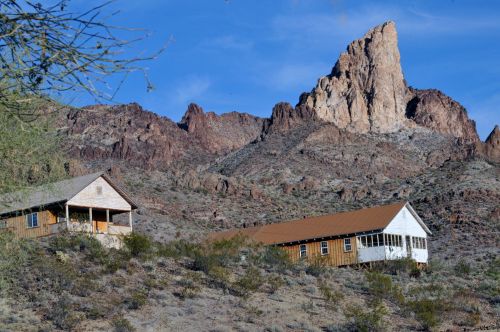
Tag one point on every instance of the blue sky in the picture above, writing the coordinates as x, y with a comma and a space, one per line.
245, 56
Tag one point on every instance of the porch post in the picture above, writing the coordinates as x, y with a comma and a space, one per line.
67, 216
107, 221
130, 218
91, 222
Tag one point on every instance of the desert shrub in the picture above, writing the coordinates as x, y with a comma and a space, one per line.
138, 244
429, 303
85, 243
115, 260
15, 255
190, 285
62, 314
317, 265
275, 282
249, 282
121, 324
462, 268
427, 312
398, 266
219, 278
177, 249
364, 320
275, 258
137, 299
382, 287
332, 297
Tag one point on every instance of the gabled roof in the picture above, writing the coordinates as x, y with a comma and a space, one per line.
52, 193
354, 222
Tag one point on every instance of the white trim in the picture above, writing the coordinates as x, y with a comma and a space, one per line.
415, 215
321, 248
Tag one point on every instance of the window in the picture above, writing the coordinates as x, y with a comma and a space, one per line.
324, 248
3, 224
99, 190
347, 244
393, 240
303, 251
32, 220
419, 243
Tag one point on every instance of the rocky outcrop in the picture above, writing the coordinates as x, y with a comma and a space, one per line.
366, 91
434, 110
124, 132
285, 117
492, 145
221, 133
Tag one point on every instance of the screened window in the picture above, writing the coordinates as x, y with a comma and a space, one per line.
324, 248
347, 244
3, 224
393, 240
303, 251
32, 220
419, 243
99, 190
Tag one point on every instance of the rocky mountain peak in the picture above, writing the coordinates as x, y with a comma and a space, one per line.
365, 91
492, 144
220, 133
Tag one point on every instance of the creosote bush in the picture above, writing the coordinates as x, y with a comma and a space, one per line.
138, 244
332, 297
366, 319
317, 265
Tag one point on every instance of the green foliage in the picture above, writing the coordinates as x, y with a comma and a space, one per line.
275, 282
177, 249
190, 285
121, 324
275, 258
365, 320
137, 299
463, 268
63, 315
250, 282
317, 265
427, 312
381, 286
332, 297
406, 266
138, 244
30, 153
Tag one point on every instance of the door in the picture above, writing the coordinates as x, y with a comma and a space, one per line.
408, 245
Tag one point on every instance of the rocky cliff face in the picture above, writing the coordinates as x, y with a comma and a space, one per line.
285, 117
492, 145
366, 91
438, 112
221, 133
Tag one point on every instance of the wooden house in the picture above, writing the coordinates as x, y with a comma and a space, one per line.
86, 204
368, 235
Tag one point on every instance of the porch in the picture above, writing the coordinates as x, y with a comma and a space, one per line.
109, 226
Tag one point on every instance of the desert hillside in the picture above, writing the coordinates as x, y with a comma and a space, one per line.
361, 137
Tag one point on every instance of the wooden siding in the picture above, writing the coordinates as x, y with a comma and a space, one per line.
108, 198
336, 255
18, 225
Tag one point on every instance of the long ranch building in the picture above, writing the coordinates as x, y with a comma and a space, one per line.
368, 235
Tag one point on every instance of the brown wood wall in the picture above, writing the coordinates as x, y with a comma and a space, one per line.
18, 225
336, 254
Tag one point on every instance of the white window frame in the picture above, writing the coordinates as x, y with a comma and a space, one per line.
326, 247
347, 244
29, 220
303, 253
